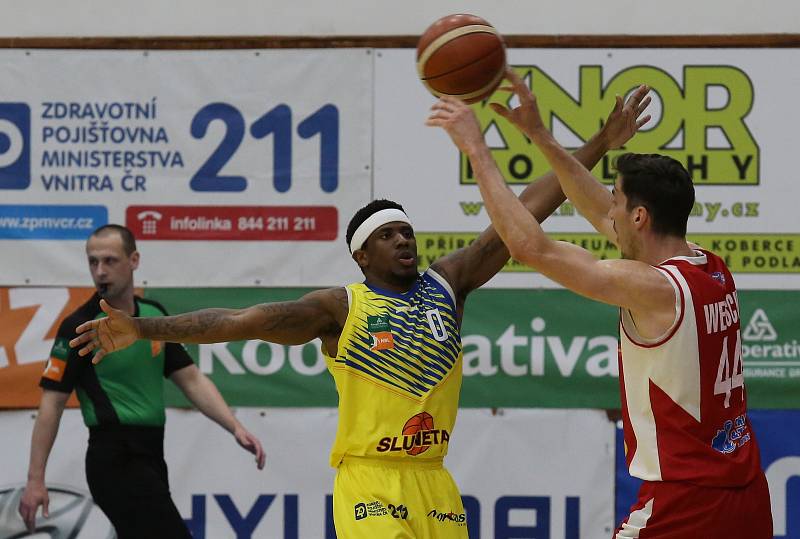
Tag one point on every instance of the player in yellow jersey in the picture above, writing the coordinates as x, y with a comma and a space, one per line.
393, 346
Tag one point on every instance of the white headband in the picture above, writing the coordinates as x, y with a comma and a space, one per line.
373, 222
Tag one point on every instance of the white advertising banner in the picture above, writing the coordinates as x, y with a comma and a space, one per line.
532, 473
724, 113
235, 168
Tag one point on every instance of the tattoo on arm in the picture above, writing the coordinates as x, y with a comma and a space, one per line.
278, 317
289, 322
186, 326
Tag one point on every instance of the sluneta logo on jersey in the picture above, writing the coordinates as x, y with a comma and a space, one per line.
418, 435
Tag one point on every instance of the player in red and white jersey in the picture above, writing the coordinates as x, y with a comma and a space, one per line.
683, 393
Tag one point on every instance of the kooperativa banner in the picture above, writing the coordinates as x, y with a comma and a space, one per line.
542, 348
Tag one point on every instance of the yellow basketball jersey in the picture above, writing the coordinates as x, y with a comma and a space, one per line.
398, 372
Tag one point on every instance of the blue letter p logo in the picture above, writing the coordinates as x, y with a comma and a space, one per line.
15, 147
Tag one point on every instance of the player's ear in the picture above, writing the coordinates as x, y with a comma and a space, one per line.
640, 216
361, 257
134, 258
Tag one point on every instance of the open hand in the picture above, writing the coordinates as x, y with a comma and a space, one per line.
526, 116
626, 119
458, 119
114, 332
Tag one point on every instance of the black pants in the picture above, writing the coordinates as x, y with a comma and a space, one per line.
127, 477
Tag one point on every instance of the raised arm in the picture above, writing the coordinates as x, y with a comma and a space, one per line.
589, 196
633, 285
319, 314
470, 267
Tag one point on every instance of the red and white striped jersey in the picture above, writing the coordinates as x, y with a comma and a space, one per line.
683, 395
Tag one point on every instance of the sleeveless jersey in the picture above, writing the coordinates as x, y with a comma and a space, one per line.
398, 372
683, 395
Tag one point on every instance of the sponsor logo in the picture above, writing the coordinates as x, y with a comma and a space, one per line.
50, 222
733, 159
233, 223
15, 149
360, 511
381, 341
72, 514
418, 435
363, 510
765, 354
398, 511
60, 348
782, 475
731, 436
759, 328
54, 370
546, 353
378, 324
718, 276
458, 518
380, 332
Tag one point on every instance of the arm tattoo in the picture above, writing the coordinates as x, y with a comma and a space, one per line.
189, 327
278, 317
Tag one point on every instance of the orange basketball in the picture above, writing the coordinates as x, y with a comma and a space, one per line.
462, 56
421, 422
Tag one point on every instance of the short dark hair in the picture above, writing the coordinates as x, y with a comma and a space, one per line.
662, 185
128, 241
364, 213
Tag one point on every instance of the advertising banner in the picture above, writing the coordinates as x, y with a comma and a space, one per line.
225, 162
713, 110
780, 459
514, 480
522, 348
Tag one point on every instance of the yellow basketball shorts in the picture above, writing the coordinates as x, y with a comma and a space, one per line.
387, 500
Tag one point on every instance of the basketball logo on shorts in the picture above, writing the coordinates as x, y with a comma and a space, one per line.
414, 427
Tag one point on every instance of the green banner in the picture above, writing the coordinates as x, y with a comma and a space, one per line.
743, 253
522, 348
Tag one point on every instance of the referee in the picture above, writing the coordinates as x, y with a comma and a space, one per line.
122, 403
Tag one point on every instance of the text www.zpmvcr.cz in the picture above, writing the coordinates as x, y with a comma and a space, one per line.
50, 223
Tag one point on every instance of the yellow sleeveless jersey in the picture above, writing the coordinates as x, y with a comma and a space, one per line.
398, 372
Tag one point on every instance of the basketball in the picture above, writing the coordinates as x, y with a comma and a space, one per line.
462, 56
421, 422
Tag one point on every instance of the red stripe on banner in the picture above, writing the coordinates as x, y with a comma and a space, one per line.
233, 223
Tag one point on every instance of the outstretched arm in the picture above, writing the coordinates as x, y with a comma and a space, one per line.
318, 314
626, 283
203, 394
470, 267
588, 195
